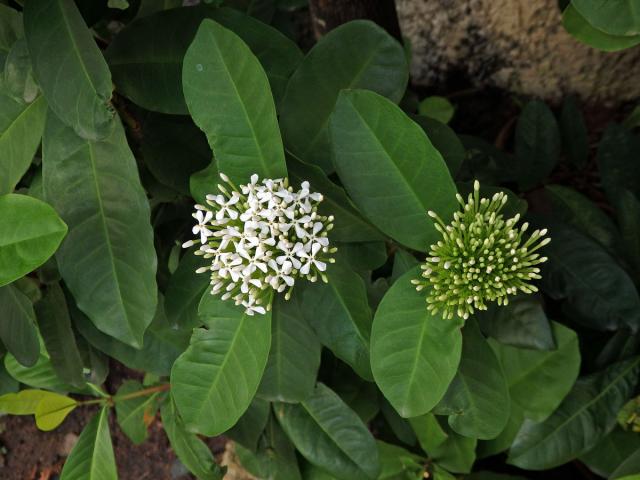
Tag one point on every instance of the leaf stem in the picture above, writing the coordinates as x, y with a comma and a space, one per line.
111, 400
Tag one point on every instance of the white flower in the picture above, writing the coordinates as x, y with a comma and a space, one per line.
260, 238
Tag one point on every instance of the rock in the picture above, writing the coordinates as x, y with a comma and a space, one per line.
520, 46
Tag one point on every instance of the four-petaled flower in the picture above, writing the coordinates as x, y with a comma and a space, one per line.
260, 238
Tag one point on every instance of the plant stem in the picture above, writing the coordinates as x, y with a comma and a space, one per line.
116, 398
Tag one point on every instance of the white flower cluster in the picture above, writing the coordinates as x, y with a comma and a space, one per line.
260, 238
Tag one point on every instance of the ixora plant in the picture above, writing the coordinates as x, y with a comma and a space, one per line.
278, 248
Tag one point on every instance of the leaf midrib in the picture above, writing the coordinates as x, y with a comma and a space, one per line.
583, 408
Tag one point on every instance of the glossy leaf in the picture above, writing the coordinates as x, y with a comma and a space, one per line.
611, 451
580, 271
92, 457
578, 211
389, 168
445, 140
18, 81
162, 343
69, 67
330, 435
294, 357
437, 108
537, 143
18, 330
428, 431
184, 291
628, 216
248, 430
173, 149
551, 373
411, 348
349, 226
146, 56
191, 450
617, 158
55, 327
52, 409
618, 17
135, 414
358, 54
573, 130
575, 23
10, 30
339, 313
396, 462
457, 453
477, 401
521, 323
585, 416
275, 456
228, 95
21, 127
35, 232
108, 260
214, 380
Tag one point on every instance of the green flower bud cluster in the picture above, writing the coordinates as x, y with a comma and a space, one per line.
481, 258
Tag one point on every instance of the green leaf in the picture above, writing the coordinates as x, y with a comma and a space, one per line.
616, 17
349, 226
146, 56
55, 327
576, 210
108, 260
389, 168
628, 216
585, 416
600, 292
627, 469
580, 28
400, 427
521, 323
228, 95
92, 456
294, 358
574, 133
40, 375
34, 233
537, 144
274, 458
248, 430
10, 30
184, 291
24, 402
134, 414
611, 451
69, 67
445, 140
200, 182
192, 452
162, 343
52, 409
428, 431
618, 150
437, 108
362, 257
173, 149
214, 380
21, 127
457, 453
18, 330
477, 401
403, 261
398, 463
339, 313
330, 435
488, 448
550, 374
358, 54
18, 81
411, 348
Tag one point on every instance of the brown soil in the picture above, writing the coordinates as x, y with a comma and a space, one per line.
27, 453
